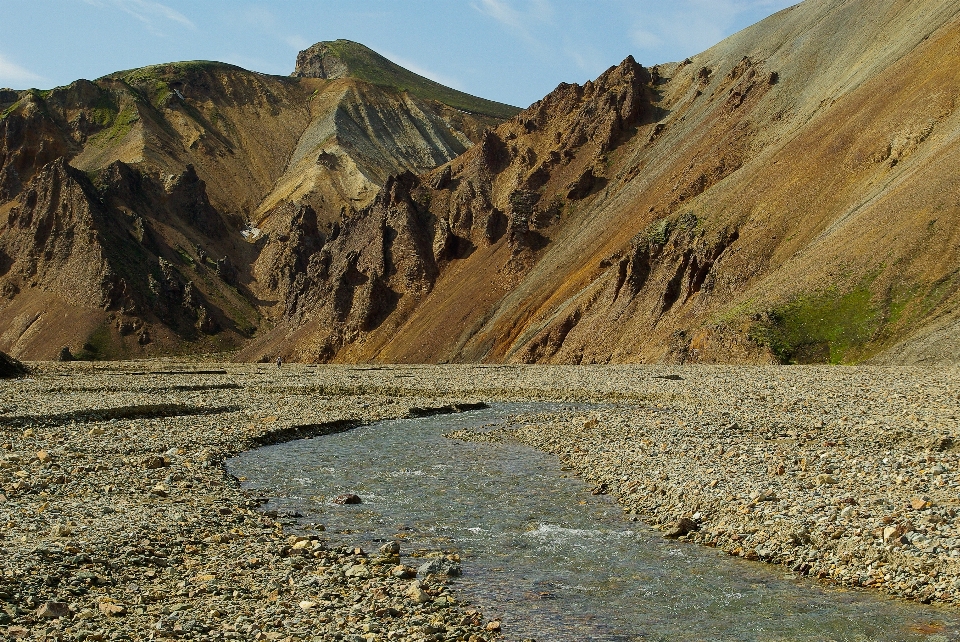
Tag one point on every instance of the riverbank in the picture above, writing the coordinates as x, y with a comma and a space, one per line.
115, 506
117, 521
850, 476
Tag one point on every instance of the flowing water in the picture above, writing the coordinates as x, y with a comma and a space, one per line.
542, 554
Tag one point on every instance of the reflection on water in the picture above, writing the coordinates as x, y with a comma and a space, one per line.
541, 553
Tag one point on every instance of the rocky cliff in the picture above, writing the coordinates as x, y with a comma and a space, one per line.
152, 210
785, 196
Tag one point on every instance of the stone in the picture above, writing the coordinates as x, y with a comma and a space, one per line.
361, 571
390, 548
439, 566
10, 368
113, 609
220, 538
348, 498
403, 572
919, 503
44, 457
65, 354
416, 593
61, 530
154, 462
307, 605
493, 626
683, 526
53, 610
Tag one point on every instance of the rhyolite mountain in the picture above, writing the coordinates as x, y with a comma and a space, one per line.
169, 208
789, 195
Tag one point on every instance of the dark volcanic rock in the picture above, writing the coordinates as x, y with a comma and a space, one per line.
10, 368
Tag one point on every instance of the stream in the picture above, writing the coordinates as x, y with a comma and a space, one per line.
541, 553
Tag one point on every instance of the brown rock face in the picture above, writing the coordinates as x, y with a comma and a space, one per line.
786, 196
319, 61
173, 207
68, 242
387, 259
54, 234
759, 202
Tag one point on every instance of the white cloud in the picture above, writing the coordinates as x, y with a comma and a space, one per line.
146, 11
426, 73
13, 74
501, 12
645, 39
265, 20
297, 42
538, 12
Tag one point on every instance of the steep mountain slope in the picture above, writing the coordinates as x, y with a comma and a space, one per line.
346, 59
788, 195
123, 201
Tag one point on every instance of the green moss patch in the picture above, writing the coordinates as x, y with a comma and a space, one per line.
368, 65
99, 345
828, 327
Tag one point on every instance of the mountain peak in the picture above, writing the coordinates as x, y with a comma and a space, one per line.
344, 58
332, 59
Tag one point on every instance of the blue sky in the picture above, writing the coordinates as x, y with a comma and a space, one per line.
514, 51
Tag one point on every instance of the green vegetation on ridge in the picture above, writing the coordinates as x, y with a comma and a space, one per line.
827, 327
366, 64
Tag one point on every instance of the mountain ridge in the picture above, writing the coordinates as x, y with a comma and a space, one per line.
341, 58
730, 226
783, 197
178, 159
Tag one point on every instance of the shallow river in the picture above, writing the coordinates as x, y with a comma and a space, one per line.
542, 554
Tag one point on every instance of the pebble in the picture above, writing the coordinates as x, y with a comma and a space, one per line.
53, 610
125, 526
739, 451
850, 476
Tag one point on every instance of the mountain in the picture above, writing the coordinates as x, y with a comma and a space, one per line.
168, 208
789, 195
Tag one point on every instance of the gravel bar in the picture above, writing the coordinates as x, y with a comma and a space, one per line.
118, 522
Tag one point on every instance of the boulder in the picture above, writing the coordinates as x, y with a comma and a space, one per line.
10, 368
684, 526
439, 566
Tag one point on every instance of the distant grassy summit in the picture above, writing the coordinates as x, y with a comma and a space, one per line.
344, 58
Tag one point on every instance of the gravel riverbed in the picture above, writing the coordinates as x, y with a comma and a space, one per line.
117, 520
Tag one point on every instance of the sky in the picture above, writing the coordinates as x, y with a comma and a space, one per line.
512, 51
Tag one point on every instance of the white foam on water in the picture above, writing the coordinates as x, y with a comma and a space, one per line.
404, 472
477, 530
554, 532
